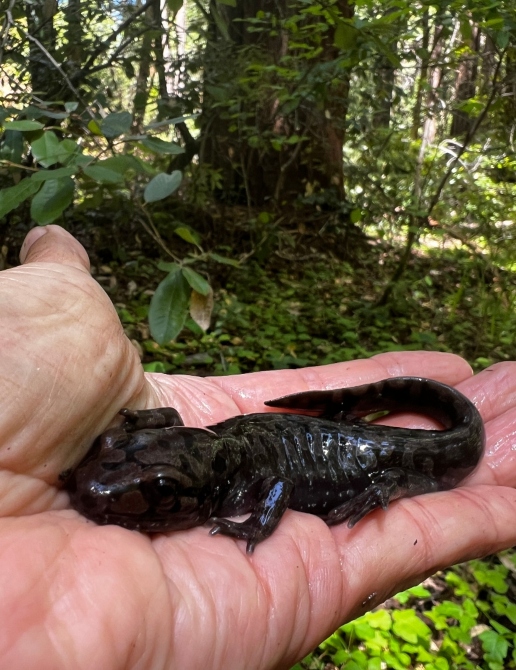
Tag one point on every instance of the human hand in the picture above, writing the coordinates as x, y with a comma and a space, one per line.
79, 595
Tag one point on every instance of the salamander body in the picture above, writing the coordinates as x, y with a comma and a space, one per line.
153, 474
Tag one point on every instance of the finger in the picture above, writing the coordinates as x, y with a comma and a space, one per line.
494, 392
422, 535
52, 244
334, 574
202, 401
249, 391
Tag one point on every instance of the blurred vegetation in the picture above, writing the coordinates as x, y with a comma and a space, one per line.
279, 184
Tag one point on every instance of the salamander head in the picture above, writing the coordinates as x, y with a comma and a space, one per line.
149, 480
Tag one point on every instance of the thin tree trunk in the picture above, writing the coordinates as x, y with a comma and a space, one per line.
74, 37
384, 73
465, 85
145, 61
40, 23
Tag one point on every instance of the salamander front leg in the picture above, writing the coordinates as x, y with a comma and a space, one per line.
384, 488
161, 417
274, 500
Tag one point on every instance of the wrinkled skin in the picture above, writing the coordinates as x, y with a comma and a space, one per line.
78, 595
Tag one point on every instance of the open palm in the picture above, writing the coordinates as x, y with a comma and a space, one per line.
74, 594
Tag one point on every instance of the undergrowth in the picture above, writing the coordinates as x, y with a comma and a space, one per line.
462, 619
293, 316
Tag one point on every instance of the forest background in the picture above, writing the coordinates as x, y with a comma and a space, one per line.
269, 184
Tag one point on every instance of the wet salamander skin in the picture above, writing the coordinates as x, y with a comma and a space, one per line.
153, 474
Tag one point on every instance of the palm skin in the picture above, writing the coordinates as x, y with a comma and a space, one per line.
78, 595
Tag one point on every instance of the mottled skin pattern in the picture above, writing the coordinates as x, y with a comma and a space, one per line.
153, 474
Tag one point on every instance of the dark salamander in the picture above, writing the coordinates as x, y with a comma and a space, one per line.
153, 474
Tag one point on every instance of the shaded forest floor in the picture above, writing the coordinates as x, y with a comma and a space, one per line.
315, 301
302, 298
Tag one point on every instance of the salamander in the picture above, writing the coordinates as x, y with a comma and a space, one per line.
316, 453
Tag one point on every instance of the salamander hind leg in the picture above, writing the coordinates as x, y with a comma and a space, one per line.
385, 487
272, 504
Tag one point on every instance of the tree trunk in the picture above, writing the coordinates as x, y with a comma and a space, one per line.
422, 78
424, 118
73, 50
270, 140
465, 85
40, 22
384, 74
509, 98
148, 42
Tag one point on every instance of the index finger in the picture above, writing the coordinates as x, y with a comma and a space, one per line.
203, 401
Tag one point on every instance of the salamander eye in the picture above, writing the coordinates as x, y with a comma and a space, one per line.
163, 487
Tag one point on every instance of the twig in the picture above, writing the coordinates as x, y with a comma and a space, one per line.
104, 45
63, 74
469, 137
8, 22
151, 229
117, 51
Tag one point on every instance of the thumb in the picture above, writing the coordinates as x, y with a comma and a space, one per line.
52, 244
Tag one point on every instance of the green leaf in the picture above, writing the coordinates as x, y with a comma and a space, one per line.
225, 261
23, 125
45, 149
94, 128
11, 147
121, 163
169, 307
355, 215
45, 175
345, 36
143, 167
158, 146
196, 281
494, 645
168, 267
162, 185
102, 174
155, 366
409, 627
174, 5
66, 150
11, 197
187, 234
380, 619
53, 198
229, 3
71, 106
78, 159
502, 39
116, 124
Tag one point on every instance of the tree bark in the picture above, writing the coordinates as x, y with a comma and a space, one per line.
40, 23
273, 148
73, 51
465, 85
